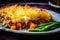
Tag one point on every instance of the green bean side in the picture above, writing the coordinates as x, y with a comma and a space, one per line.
46, 26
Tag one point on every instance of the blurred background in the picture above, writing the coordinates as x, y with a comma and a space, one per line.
20, 1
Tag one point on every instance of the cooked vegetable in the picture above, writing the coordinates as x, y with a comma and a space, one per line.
19, 26
34, 30
6, 25
49, 26
43, 25
46, 27
32, 25
54, 27
13, 27
23, 26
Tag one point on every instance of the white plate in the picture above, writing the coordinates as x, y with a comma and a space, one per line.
56, 17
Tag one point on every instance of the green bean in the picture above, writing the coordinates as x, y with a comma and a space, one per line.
49, 26
53, 27
45, 24
34, 30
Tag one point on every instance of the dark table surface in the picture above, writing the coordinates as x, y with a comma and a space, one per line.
13, 36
